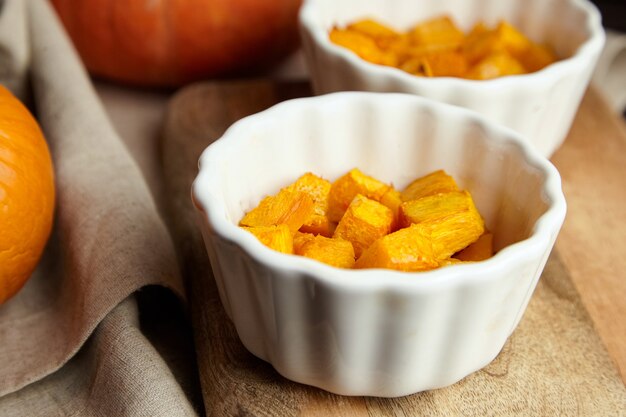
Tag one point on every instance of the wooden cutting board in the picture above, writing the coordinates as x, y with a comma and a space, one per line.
554, 363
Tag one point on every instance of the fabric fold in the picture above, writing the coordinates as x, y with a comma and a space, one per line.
109, 240
14, 47
117, 373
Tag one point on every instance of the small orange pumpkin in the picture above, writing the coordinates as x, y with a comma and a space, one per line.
26, 194
173, 42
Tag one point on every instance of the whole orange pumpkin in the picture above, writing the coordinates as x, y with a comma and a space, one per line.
173, 42
26, 194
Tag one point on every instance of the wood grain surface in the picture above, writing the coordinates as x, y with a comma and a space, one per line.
592, 242
554, 363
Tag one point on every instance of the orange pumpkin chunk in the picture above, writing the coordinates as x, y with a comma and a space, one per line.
536, 57
363, 46
292, 208
438, 48
450, 220
453, 233
418, 66
274, 237
392, 199
365, 221
514, 41
433, 183
334, 252
437, 31
478, 251
299, 239
373, 29
318, 189
447, 64
436, 206
496, 65
480, 45
438, 225
345, 188
407, 249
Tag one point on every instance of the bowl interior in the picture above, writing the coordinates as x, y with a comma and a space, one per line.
563, 24
393, 137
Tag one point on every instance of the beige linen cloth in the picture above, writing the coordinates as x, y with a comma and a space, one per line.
82, 337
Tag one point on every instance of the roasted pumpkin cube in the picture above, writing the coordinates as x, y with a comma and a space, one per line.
483, 42
512, 39
363, 46
408, 249
399, 46
480, 45
437, 31
447, 64
299, 239
499, 64
418, 66
393, 200
451, 220
478, 251
373, 29
422, 50
293, 208
345, 188
453, 233
536, 57
435, 206
335, 252
433, 183
478, 29
318, 189
364, 222
277, 237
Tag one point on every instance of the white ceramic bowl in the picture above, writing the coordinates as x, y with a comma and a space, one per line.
540, 105
376, 332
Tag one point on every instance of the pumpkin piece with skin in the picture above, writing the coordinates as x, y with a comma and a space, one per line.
27, 194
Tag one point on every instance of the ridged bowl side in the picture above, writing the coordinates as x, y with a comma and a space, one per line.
541, 106
376, 332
